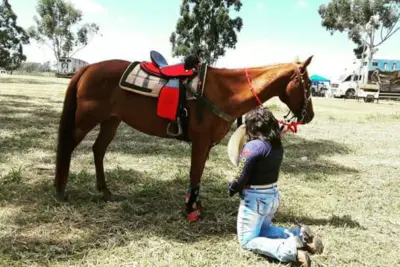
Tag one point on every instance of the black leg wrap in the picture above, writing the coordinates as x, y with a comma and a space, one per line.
192, 197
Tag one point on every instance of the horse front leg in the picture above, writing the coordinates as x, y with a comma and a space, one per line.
200, 150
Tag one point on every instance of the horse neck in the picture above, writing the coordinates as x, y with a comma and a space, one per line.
232, 91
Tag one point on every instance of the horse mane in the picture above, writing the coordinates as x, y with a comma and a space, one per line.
296, 61
235, 71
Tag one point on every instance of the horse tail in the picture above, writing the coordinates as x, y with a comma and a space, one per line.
67, 121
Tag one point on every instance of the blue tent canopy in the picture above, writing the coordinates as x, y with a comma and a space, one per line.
317, 78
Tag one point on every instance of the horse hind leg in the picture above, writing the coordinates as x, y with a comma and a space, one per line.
107, 132
69, 135
64, 160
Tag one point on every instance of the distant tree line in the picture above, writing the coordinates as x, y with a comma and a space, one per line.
32, 67
57, 25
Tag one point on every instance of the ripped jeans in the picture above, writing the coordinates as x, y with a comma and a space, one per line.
254, 229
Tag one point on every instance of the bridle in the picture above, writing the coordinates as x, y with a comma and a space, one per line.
292, 122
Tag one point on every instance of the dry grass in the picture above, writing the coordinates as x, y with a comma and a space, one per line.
347, 191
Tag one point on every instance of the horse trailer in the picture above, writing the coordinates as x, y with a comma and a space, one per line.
354, 82
66, 67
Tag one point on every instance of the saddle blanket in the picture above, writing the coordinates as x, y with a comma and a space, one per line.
138, 81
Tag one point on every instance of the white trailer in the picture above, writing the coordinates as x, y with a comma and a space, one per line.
66, 67
354, 83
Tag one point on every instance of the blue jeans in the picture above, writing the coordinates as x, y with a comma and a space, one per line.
255, 233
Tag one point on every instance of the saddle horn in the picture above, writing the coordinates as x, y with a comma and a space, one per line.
193, 60
199, 52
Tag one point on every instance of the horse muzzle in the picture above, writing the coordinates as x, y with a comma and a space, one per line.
305, 118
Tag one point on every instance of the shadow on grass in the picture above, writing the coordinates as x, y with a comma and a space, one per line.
336, 221
34, 123
36, 117
19, 112
316, 167
29, 81
146, 207
23, 101
30, 123
43, 230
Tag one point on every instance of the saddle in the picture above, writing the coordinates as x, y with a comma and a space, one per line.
159, 67
172, 98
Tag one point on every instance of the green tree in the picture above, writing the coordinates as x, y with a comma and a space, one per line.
368, 23
54, 28
12, 37
206, 25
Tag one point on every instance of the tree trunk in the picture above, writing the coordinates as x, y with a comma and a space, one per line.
371, 51
366, 70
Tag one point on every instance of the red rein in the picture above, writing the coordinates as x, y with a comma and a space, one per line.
291, 126
252, 88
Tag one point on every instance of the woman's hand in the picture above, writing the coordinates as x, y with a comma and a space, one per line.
231, 192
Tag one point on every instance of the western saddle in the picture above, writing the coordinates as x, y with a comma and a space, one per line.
179, 74
159, 67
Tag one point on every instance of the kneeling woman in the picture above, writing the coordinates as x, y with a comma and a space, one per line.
261, 154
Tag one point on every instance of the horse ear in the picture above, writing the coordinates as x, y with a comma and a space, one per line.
307, 62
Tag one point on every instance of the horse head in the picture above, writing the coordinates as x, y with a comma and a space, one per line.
297, 94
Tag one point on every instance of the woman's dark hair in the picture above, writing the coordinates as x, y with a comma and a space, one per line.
261, 124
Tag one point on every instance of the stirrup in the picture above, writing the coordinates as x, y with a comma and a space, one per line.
179, 129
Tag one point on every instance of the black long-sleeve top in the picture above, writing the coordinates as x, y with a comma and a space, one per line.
259, 164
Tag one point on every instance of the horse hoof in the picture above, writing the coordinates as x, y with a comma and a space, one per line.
194, 214
108, 196
62, 197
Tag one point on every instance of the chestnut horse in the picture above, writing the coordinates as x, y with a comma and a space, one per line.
94, 97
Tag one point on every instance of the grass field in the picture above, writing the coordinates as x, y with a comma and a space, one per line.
348, 189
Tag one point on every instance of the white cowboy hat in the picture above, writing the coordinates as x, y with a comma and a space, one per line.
236, 143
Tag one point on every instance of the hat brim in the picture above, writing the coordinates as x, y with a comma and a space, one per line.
236, 143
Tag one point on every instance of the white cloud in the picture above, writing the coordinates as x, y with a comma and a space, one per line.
124, 44
302, 3
121, 20
36, 53
265, 52
132, 46
88, 6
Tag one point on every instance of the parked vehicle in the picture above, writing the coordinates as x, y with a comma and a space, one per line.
319, 85
353, 83
318, 89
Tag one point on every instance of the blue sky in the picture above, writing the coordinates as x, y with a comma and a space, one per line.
274, 31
